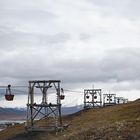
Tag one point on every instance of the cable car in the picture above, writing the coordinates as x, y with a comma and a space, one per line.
8, 95
95, 97
62, 96
87, 96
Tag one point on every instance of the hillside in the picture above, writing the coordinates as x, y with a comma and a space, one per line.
120, 122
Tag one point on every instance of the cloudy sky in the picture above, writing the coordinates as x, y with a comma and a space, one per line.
82, 42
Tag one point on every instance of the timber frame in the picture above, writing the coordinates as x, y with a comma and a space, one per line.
49, 112
121, 100
92, 98
109, 99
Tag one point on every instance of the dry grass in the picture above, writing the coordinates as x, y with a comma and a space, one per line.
12, 131
120, 122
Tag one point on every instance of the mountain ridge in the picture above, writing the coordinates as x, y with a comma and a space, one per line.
20, 113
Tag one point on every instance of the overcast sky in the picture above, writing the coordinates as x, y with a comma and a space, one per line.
80, 42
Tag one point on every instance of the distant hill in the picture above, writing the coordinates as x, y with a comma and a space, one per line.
118, 122
71, 110
20, 113
12, 113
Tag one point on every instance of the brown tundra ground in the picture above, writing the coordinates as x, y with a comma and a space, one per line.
119, 122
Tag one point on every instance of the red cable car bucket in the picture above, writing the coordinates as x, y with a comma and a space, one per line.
62, 97
9, 97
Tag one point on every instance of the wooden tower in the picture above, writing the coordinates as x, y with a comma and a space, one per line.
109, 99
121, 100
92, 98
48, 109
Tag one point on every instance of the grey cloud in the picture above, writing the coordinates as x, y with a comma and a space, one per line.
24, 11
46, 52
17, 39
27, 15
85, 37
123, 64
125, 85
14, 39
119, 65
126, 8
54, 39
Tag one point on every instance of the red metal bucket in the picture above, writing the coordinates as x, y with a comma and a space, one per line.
9, 97
62, 97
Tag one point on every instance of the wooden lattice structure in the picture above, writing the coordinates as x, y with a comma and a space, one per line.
109, 99
121, 100
92, 98
48, 109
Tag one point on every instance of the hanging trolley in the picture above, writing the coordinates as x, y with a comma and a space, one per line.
8, 95
62, 96
87, 96
95, 97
